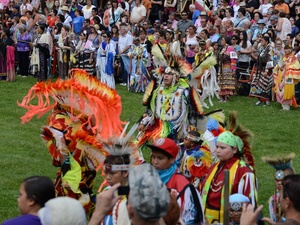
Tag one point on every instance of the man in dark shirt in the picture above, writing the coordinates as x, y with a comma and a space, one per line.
184, 23
15, 12
251, 6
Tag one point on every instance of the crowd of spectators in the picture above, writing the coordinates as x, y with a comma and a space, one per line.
113, 40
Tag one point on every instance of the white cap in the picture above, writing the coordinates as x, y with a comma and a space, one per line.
62, 211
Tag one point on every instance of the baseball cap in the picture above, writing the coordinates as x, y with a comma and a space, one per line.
150, 31
148, 195
166, 145
62, 211
274, 17
261, 21
214, 13
203, 13
238, 198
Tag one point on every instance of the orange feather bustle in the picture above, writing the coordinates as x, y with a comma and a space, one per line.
82, 96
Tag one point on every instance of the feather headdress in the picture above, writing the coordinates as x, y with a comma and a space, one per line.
246, 136
82, 96
280, 162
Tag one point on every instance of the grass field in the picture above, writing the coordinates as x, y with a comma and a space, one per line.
24, 154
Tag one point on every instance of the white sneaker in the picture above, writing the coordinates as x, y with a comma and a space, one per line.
258, 103
123, 84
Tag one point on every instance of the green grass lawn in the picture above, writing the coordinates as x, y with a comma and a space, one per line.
23, 153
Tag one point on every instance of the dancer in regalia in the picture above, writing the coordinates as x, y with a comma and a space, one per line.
171, 105
286, 76
105, 60
283, 166
234, 154
84, 115
139, 78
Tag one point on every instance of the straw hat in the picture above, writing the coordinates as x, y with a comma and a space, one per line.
64, 8
96, 26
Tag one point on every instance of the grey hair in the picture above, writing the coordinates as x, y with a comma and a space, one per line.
22, 27
192, 6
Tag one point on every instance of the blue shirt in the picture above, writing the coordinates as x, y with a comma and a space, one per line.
195, 15
77, 23
27, 219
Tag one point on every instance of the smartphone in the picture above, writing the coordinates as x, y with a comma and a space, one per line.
123, 190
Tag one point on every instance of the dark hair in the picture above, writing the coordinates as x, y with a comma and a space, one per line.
236, 38
6, 31
117, 159
196, 134
54, 11
273, 34
222, 13
242, 10
123, 5
267, 39
194, 28
290, 35
205, 31
108, 34
227, 40
79, 11
116, 27
61, 17
230, 10
260, 15
170, 32
162, 34
282, 14
43, 27
245, 39
39, 188
291, 189
162, 152
96, 20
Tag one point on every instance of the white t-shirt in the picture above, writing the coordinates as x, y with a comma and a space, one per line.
138, 12
87, 13
264, 8
245, 57
125, 41
68, 20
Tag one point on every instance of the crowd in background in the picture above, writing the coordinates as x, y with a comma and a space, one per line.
113, 40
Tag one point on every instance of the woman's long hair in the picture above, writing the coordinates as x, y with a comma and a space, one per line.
244, 40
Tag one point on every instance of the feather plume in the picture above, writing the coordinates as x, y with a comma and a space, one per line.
246, 136
206, 64
196, 101
157, 52
81, 95
182, 66
280, 162
148, 93
218, 115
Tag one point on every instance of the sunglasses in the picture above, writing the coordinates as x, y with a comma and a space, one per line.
233, 39
108, 4
104, 36
145, 24
184, 14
